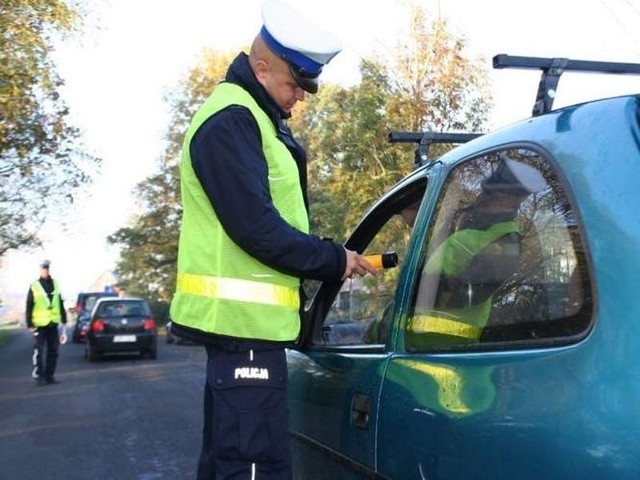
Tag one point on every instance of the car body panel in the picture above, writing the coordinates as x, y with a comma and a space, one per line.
549, 411
350, 384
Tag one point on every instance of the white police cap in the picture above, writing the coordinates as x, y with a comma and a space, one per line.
302, 44
45, 264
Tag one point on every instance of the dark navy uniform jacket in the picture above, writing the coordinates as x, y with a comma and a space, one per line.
227, 157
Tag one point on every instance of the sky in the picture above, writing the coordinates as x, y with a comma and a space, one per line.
135, 51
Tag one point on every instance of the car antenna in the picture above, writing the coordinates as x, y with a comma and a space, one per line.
553, 68
425, 139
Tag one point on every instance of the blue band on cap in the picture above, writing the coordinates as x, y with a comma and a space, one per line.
311, 67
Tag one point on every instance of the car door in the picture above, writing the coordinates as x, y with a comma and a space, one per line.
487, 372
336, 375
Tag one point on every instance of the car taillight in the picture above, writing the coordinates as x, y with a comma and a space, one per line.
149, 324
97, 325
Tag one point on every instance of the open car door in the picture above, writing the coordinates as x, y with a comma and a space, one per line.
347, 342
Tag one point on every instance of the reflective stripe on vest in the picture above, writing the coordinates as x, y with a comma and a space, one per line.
238, 290
444, 326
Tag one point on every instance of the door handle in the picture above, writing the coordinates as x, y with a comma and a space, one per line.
360, 410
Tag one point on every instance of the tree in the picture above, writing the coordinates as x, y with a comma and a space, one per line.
427, 85
434, 86
40, 161
149, 246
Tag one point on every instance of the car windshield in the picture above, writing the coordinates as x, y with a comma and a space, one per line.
90, 302
122, 308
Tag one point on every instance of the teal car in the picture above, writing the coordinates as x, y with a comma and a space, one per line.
506, 343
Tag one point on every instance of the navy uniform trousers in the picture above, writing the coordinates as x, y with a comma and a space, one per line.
45, 337
246, 432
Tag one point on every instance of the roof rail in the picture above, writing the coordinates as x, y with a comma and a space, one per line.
425, 139
552, 68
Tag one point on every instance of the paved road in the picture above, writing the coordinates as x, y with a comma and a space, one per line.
121, 418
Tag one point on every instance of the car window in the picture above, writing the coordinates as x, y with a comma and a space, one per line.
505, 262
362, 310
90, 302
87, 301
122, 308
106, 309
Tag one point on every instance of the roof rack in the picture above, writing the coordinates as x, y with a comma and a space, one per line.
425, 139
552, 68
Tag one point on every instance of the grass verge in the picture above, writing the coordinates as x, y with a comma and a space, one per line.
6, 331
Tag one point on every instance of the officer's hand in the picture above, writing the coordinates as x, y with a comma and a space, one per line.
357, 265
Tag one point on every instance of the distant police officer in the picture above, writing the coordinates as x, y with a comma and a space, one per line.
244, 245
44, 312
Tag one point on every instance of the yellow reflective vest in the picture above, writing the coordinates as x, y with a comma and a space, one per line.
221, 289
45, 311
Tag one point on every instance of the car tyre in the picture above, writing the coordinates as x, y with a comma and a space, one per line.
152, 353
90, 353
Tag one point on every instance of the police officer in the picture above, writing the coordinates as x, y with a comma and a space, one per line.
44, 312
245, 244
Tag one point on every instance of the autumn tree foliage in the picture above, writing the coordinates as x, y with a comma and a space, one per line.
41, 160
429, 84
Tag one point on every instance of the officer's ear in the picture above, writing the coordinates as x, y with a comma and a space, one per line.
261, 70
